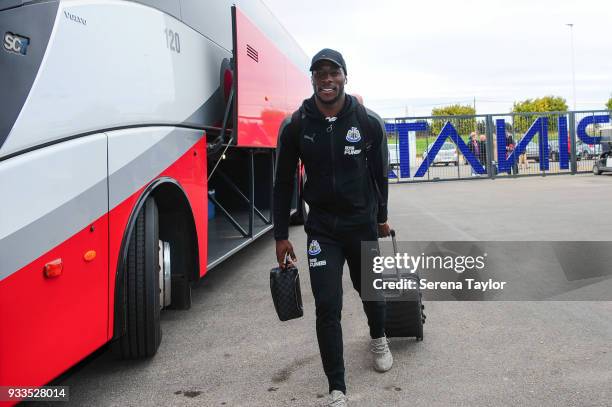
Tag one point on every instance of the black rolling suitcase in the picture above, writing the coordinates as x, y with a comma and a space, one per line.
405, 317
286, 294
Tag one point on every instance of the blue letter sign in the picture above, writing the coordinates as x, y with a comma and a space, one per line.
582, 134
449, 131
402, 134
539, 126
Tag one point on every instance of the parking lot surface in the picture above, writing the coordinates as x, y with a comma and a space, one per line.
231, 350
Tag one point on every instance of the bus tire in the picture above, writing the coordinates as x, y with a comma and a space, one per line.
142, 312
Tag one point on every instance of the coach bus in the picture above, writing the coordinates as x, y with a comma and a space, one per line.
137, 147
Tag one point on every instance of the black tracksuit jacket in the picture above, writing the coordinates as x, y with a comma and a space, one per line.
339, 188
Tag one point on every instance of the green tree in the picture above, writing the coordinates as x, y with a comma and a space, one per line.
543, 104
609, 104
463, 125
453, 110
537, 105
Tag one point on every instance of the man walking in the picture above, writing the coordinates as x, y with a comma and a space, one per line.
343, 147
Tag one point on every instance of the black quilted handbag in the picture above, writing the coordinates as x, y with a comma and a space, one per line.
286, 294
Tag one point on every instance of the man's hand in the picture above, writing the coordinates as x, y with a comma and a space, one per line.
384, 230
284, 249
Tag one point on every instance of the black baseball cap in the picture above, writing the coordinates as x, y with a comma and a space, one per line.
330, 55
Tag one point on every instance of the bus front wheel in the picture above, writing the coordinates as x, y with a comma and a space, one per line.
142, 309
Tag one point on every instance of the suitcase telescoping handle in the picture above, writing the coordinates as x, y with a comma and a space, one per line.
393, 241
397, 275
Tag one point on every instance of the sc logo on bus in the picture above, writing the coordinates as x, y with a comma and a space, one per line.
15, 43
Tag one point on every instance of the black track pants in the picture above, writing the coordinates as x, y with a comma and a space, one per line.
326, 256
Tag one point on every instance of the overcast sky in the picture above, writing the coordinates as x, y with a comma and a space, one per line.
405, 57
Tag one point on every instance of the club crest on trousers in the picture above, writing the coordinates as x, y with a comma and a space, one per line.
314, 248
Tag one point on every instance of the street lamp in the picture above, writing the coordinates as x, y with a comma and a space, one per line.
571, 26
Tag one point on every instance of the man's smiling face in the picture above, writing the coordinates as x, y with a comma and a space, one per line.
328, 82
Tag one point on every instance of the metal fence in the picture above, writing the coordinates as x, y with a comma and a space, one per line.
496, 145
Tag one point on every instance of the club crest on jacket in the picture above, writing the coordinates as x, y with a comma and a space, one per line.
353, 135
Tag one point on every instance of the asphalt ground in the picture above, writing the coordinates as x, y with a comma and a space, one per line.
231, 350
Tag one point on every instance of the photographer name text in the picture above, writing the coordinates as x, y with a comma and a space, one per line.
411, 284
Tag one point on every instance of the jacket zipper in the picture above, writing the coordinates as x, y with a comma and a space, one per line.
330, 131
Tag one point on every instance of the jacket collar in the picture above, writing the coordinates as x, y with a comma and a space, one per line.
310, 109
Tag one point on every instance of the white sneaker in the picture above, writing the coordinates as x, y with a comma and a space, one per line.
383, 360
337, 399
